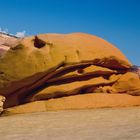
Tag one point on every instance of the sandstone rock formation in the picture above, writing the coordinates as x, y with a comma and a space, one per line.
2, 99
50, 66
81, 101
7, 41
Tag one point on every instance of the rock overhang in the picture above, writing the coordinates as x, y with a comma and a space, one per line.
38, 63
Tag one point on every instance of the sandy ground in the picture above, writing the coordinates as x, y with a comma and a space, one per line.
95, 124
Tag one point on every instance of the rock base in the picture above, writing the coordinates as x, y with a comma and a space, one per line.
84, 101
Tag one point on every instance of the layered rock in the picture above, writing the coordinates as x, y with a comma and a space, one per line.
6, 42
53, 66
84, 101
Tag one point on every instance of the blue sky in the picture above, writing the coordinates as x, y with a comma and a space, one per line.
117, 21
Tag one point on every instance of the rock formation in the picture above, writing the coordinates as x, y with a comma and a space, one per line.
2, 99
7, 41
50, 66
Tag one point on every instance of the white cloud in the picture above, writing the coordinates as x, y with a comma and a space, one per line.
3, 31
21, 34
18, 34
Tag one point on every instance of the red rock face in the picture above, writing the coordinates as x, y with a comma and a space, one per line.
6, 41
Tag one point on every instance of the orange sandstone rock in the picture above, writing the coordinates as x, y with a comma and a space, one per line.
85, 101
56, 65
128, 83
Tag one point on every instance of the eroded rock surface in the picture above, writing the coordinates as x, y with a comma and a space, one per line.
2, 100
57, 65
6, 42
84, 101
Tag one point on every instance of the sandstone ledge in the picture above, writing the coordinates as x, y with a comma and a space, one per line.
84, 101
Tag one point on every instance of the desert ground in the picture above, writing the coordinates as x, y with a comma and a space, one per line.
92, 124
